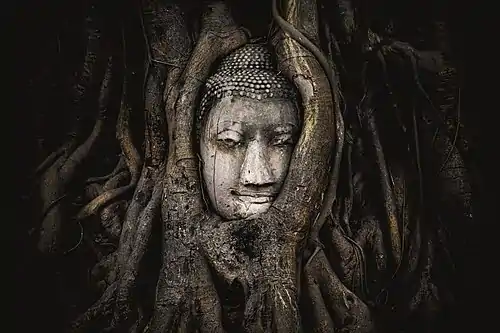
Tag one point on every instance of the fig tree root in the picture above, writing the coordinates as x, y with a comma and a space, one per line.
129, 269
324, 257
183, 200
59, 176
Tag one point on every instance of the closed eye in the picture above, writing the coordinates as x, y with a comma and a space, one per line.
282, 140
228, 142
229, 139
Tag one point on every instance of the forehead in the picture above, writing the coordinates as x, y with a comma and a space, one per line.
254, 112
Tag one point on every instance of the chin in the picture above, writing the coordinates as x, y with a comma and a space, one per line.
253, 211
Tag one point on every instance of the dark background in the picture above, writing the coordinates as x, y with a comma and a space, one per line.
50, 41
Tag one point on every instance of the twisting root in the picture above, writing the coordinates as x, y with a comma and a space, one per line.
119, 167
50, 160
141, 197
102, 200
104, 272
130, 237
128, 272
345, 255
331, 192
75, 159
111, 215
137, 226
349, 201
156, 122
218, 37
163, 49
314, 306
345, 308
124, 136
60, 174
389, 201
112, 218
207, 312
98, 311
132, 157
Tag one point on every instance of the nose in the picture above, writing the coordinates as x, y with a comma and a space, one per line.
256, 169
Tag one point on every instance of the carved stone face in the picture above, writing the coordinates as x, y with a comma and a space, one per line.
245, 146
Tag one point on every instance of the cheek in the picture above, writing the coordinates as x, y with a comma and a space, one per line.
226, 168
208, 166
279, 160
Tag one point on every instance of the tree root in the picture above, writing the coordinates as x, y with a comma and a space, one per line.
129, 270
345, 256
119, 167
156, 123
316, 104
111, 214
50, 159
205, 303
92, 191
172, 287
389, 201
331, 191
218, 37
134, 237
102, 200
346, 310
263, 254
314, 306
132, 158
101, 309
112, 217
140, 200
141, 212
60, 174
104, 271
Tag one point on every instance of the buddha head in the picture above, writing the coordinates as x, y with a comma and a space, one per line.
249, 124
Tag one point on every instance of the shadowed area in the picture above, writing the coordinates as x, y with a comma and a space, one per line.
108, 187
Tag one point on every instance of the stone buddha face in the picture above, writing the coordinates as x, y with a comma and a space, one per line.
245, 146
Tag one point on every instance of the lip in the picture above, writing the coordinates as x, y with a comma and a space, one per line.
255, 197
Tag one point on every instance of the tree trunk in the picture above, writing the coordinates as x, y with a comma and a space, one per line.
374, 178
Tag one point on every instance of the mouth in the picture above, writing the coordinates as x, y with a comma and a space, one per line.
254, 197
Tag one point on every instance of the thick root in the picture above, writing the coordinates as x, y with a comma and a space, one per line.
133, 160
104, 273
314, 307
98, 312
348, 312
130, 270
219, 36
60, 175
318, 131
393, 222
120, 166
50, 160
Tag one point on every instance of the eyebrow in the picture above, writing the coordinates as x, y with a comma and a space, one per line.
227, 126
230, 130
283, 129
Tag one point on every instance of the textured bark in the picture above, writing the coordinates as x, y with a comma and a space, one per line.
355, 219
